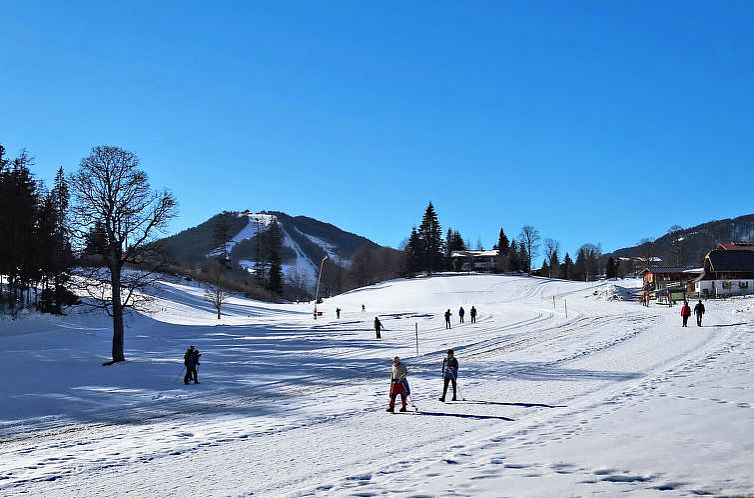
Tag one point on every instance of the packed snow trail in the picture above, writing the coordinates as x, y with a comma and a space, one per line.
289, 406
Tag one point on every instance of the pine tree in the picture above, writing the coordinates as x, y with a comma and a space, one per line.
414, 253
514, 262
501, 263
275, 274
524, 262
220, 238
610, 271
566, 269
554, 264
430, 233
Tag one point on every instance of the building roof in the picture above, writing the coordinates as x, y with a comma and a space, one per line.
731, 261
664, 269
464, 254
735, 246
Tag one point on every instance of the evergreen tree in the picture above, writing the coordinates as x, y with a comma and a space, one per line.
220, 238
275, 274
524, 263
579, 267
414, 253
610, 271
501, 263
566, 269
430, 233
514, 262
554, 264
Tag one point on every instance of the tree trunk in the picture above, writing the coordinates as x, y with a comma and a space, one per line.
117, 318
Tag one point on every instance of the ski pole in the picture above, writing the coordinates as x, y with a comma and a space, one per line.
179, 376
458, 386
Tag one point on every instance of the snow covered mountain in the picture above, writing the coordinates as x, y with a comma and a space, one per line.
688, 246
305, 241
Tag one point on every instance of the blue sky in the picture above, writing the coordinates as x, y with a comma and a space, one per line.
601, 122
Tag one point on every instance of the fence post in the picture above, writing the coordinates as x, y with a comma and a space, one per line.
416, 327
565, 303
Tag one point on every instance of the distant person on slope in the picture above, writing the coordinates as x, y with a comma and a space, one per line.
699, 312
398, 384
461, 313
337, 312
685, 312
448, 314
191, 360
377, 327
473, 314
449, 374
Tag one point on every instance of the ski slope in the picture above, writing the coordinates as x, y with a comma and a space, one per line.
566, 392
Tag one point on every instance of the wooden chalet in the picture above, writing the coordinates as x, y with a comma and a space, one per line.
727, 272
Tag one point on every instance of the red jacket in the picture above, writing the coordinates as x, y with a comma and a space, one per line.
685, 310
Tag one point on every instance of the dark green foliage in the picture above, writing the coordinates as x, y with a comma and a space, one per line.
610, 269
194, 244
514, 260
414, 252
566, 269
430, 234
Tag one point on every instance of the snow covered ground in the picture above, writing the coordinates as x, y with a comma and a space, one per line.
610, 399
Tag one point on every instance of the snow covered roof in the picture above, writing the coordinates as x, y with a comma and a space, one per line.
465, 254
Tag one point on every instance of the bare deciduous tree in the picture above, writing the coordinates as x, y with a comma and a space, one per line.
529, 238
215, 292
114, 196
552, 248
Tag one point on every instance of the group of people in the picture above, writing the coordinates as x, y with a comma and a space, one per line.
399, 383
461, 315
698, 311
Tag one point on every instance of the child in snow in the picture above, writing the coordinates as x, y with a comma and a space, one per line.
398, 373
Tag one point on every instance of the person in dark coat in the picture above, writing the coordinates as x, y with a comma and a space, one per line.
685, 312
191, 360
449, 374
448, 314
699, 312
377, 327
337, 312
473, 314
461, 313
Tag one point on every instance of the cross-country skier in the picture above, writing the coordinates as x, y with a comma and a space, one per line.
473, 314
685, 312
398, 373
448, 314
461, 312
449, 374
191, 360
699, 312
377, 327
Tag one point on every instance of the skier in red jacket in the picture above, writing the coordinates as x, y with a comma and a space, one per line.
685, 312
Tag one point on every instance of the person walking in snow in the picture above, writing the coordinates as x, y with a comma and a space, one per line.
448, 314
337, 312
685, 312
473, 314
377, 327
699, 312
191, 361
449, 374
363, 308
398, 384
461, 313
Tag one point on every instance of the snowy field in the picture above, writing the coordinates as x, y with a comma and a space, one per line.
610, 399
